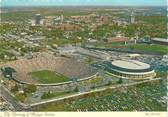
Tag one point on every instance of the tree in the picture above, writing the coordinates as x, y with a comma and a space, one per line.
20, 96
109, 82
15, 88
76, 89
47, 95
30, 88
120, 81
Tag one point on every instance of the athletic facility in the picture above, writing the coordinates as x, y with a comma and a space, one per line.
50, 70
131, 69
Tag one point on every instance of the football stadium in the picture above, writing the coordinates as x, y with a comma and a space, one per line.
49, 70
131, 69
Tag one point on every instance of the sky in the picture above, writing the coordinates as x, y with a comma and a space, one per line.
83, 2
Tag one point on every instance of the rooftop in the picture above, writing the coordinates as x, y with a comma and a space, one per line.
130, 64
160, 39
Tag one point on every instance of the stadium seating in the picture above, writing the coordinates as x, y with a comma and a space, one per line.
69, 67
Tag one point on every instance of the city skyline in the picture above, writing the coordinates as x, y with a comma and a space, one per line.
83, 3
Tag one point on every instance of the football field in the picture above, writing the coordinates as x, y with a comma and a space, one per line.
46, 76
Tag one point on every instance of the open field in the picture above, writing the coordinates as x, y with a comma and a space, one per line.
55, 94
46, 76
153, 48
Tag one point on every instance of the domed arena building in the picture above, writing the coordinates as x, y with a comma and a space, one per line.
131, 69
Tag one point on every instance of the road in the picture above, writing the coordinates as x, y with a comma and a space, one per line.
6, 95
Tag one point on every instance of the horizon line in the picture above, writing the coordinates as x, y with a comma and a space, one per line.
83, 5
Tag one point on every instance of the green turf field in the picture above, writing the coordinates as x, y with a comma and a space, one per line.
154, 48
47, 76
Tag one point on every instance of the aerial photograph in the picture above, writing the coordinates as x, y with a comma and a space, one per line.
83, 56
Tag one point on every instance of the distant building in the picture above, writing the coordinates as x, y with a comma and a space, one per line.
92, 40
165, 58
57, 20
134, 55
132, 18
49, 20
159, 41
38, 19
68, 27
117, 39
62, 19
52, 21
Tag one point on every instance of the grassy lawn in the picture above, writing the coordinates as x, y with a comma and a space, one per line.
154, 48
47, 76
51, 95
